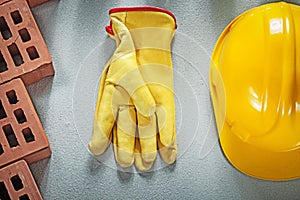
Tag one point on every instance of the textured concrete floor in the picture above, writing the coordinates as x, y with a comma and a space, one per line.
75, 35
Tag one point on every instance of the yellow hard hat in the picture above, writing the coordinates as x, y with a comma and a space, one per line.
255, 88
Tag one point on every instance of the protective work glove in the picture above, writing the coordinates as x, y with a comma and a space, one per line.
135, 105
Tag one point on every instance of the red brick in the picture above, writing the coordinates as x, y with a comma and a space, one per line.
16, 181
33, 3
23, 50
21, 133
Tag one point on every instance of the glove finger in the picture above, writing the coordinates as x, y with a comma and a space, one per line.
104, 120
143, 101
147, 150
167, 135
124, 136
140, 163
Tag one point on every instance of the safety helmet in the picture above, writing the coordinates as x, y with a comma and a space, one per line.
255, 88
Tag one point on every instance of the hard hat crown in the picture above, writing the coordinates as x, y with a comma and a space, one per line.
255, 74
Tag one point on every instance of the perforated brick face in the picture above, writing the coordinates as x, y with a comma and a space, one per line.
23, 52
16, 182
21, 132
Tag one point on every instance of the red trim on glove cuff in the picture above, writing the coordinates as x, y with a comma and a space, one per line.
140, 8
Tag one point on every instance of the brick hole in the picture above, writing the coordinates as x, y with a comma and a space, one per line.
3, 192
15, 54
24, 197
24, 35
20, 116
12, 97
2, 111
27, 133
1, 151
16, 17
5, 31
32, 52
17, 182
10, 136
3, 64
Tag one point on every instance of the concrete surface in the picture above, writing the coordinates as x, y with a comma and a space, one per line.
74, 32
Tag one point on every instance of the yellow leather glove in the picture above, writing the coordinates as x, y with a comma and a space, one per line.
135, 105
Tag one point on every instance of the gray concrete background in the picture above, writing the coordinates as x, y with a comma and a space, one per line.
72, 30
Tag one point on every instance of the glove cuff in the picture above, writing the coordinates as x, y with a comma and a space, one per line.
109, 28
